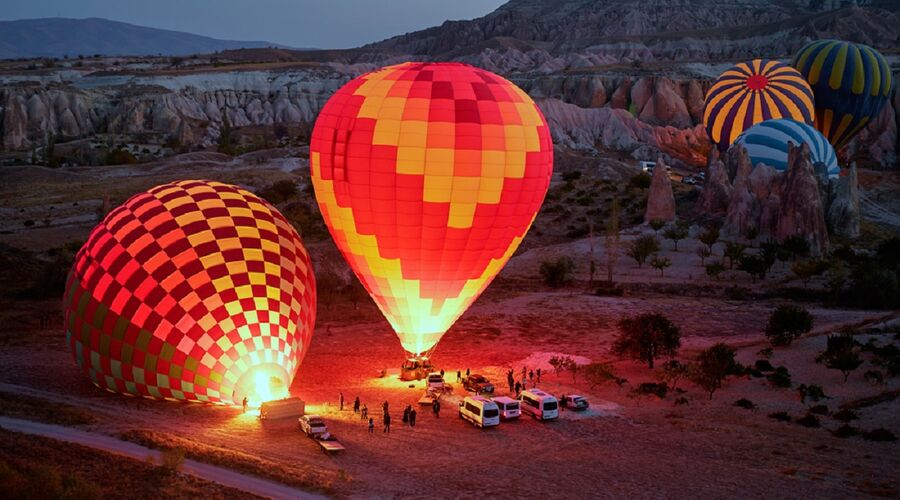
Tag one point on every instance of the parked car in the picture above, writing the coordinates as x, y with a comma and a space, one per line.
575, 402
539, 404
688, 180
478, 384
509, 407
482, 412
434, 382
312, 425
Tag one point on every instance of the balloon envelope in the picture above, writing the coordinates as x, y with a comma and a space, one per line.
428, 176
767, 142
753, 92
851, 82
193, 291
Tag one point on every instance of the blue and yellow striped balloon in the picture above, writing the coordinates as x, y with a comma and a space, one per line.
752, 92
851, 83
767, 142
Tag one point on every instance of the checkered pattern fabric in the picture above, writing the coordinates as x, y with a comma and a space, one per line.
428, 176
184, 288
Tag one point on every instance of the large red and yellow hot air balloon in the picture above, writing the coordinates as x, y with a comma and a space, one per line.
753, 92
428, 176
195, 291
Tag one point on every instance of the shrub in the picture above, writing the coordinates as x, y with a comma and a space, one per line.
841, 354
657, 224
640, 181
172, 460
676, 232
646, 337
733, 252
879, 434
846, 415
796, 245
781, 416
806, 269
754, 265
714, 269
703, 253
819, 410
671, 372
736, 293
781, 377
764, 365
557, 273
745, 404
660, 263
845, 431
709, 237
119, 156
874, 377
809, 421
812, 392
651, 388
786, 323
641, 248
598, 373
682, 401
713, 365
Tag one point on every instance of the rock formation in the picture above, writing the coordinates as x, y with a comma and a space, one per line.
660, 199
716, 194
843, 211
743, 208
802, 211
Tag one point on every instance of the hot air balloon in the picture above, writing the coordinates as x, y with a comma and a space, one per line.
767, 142
753, 92
195, 291
428, 176
851, 82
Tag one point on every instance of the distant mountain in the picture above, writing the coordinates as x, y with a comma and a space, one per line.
56, 37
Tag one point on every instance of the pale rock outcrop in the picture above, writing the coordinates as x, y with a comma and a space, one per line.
660, 198
743, 208
716, 194
843, 212
765, 185
665, 106
802, 211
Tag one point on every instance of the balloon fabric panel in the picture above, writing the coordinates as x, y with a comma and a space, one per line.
767, 143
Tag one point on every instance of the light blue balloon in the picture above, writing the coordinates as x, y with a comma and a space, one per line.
767, 142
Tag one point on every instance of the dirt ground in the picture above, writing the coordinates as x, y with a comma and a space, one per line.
624, 446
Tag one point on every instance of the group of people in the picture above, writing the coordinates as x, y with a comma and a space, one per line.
518, 386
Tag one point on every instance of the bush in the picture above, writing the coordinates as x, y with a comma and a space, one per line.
781, 378
646, 337
812, 392
745, 404
879, 434
809, 421
796, 245
557, 273
609, 289
119, 156
642, 248
786, 323
172, 460
736, 293
845, 415
713, 365
781, 416
709, 237
714, 269
640, 181
733, 252
754, 265
660, 263
651, 388
845, 431
657, 224
874, 377
671, 372
764, 365
598, 373
682, 401
841, 354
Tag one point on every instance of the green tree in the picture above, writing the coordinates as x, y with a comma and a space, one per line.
703, 253
646, 337
796, 245
660, 263
676, 232
786, 323
733, 252
709, 237
712, 367
754, 265
804, 270
657, 224
841, 354
557, 273
714, 269
641, 248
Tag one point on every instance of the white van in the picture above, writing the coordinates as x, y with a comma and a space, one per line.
509, 407
539, 404
482, 412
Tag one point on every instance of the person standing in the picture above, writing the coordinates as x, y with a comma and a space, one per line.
442, 374
510, 380
245, 404
412, 417
436, 408
387, 423
539, 375
531, 377
371, 425
458, 375
356, 405
406, 415
467, 373
384, 407
342, 401
518, 388
524, 371
364, 412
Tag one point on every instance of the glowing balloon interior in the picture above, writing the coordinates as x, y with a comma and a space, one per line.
428, 176
195, 291
851, 82
753, 92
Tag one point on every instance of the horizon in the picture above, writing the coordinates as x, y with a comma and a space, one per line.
323, 25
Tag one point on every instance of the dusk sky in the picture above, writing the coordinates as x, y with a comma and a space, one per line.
298, 23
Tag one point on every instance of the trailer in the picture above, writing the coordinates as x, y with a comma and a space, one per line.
282, 408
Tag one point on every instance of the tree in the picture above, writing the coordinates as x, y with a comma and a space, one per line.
225, 145
751, 233
657, 224
557, 273
714, 269
598, 373
787, 323
806, 269
813, 392
841, 354
713, 365
561, 363
710, 237
733, 252
703, 253
675, 233
754, 265
612, 239
660, 263
671, 372
796, 245
646, 337
642, 248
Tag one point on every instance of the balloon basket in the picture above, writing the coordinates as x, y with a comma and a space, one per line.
416, 366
